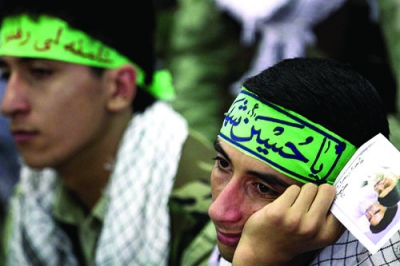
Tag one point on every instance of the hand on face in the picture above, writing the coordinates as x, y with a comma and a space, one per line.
296, 222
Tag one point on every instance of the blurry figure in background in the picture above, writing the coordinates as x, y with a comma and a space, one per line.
389, 21
203, 51
214, 42
9, 157
111, 173
213, 45
9, 162
285, 28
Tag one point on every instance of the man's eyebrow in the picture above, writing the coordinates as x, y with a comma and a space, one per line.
18, 60
218, 148
26, 59
266, 177
269, 178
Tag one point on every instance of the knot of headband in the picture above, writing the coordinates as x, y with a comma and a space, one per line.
288, 142
52, 38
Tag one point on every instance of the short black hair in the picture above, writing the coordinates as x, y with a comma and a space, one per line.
128, 29
386, 220
327, 92
392, 197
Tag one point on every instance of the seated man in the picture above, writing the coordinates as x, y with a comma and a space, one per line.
284, 140
108, 166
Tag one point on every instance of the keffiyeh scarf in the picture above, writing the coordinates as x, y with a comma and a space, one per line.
347, 251
136, 223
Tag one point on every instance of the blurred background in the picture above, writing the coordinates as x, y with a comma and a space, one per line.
211, 46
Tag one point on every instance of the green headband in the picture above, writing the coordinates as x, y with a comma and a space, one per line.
288, 142
52, 38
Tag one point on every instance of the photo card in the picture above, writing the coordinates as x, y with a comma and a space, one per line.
368, 193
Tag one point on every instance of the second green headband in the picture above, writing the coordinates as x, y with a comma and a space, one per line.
52, 38
288, 142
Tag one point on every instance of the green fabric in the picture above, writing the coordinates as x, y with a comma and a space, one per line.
190, 198
285, 140
188, 204
6, 230
88, 225
52, 38
389, 21
200, 249
67, 210
203, 52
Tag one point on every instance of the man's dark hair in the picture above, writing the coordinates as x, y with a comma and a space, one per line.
327, 92
128, 29
392, 198
386, 220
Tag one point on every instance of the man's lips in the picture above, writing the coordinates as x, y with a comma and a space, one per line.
21, 136
228, 239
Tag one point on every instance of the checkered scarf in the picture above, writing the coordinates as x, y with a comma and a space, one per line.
347, 251
136, 223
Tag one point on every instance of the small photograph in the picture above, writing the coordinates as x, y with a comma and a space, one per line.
384, 212
368, 193
386, 185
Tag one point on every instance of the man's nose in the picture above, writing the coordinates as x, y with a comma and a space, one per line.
227, 206
15, 98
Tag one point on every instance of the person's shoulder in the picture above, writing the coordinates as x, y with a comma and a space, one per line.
196, 160
191, 195
200, 249
192, 180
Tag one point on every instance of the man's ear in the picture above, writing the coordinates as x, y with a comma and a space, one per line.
122, 88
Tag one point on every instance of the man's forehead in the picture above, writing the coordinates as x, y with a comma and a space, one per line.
287, 141
15, 59
8, 60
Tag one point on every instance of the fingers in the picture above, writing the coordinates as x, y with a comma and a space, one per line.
311, 200
296, 222
288, 197
297, 200
306, 198
323, 200
308, 205
318, 220
332, 230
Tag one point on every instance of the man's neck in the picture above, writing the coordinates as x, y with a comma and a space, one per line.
87, 175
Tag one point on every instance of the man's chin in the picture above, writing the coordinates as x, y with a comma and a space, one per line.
226, 252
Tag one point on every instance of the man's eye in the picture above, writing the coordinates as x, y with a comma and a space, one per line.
265, 191
4, 75
222, 164
263, 188
41, 72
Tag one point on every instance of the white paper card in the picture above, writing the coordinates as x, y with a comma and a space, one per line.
360, 193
